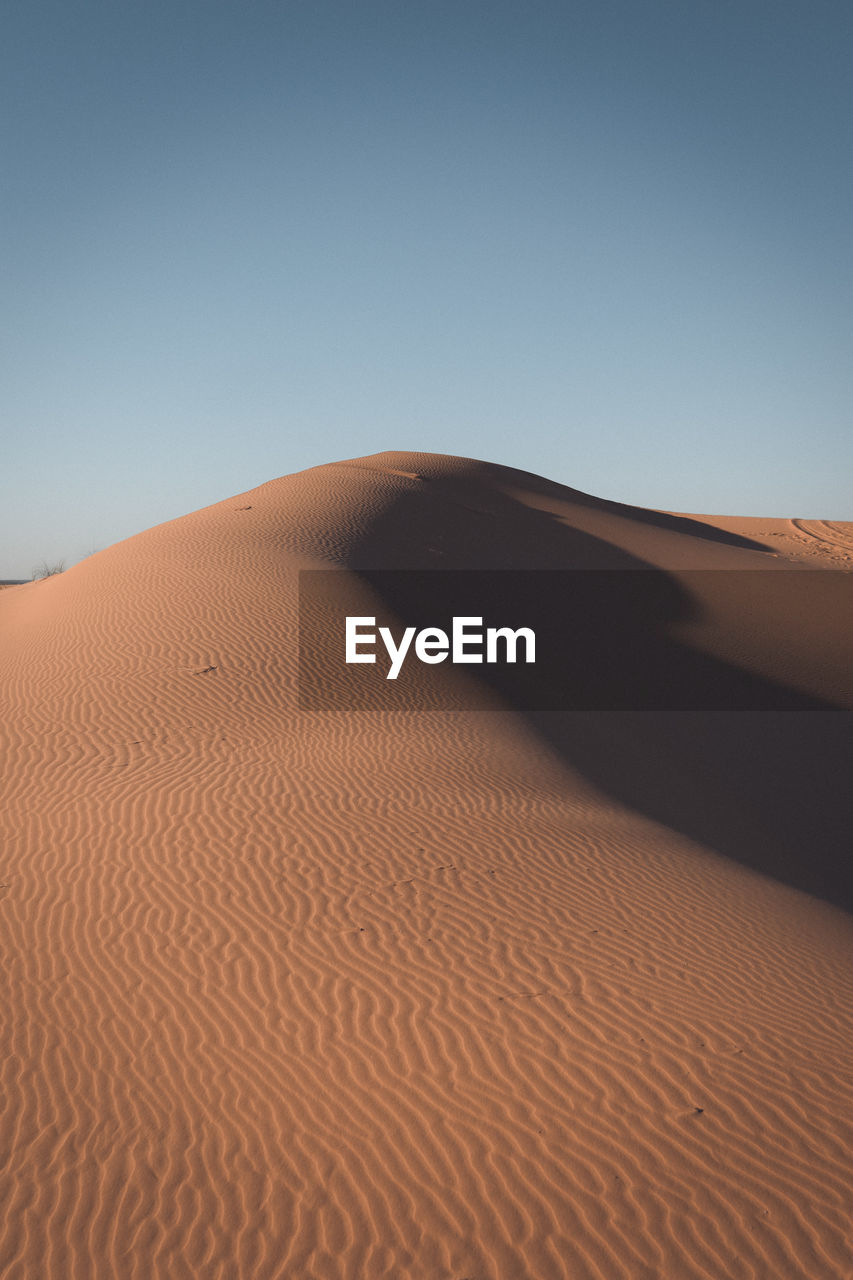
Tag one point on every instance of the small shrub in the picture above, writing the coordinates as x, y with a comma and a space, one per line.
46, 570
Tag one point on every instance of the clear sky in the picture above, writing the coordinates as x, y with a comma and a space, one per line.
610, 242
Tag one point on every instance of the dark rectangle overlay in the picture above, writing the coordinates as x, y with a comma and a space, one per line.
605, 640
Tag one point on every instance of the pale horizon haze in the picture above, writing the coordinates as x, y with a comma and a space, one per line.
606, 242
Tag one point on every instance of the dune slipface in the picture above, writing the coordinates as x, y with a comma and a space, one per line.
490, 994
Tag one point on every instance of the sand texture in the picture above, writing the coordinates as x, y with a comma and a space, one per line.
420, 996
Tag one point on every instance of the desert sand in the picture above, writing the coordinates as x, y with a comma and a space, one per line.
466, 995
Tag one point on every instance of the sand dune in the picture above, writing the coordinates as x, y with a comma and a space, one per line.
434, 995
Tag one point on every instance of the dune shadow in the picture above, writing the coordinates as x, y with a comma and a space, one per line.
764, 781
550, 489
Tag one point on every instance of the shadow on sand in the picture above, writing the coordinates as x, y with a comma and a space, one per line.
768, 788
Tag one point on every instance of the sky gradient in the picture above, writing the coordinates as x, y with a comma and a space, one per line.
608, 242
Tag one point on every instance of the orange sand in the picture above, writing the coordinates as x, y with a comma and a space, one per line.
415, 995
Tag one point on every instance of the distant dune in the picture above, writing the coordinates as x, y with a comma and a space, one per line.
467, 995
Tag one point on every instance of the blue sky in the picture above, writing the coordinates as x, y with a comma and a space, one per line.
608, 242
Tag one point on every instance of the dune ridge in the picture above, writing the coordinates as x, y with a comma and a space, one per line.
424, 995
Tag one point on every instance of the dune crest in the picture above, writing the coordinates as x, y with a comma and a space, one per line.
422, 996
